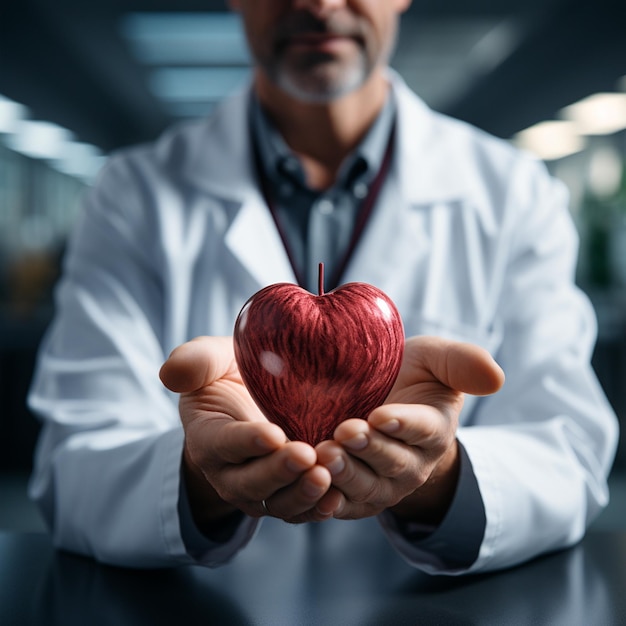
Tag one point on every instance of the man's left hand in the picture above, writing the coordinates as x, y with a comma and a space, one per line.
405, 456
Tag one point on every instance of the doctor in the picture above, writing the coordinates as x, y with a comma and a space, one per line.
327, 157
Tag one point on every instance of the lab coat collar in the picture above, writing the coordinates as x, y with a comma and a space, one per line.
429, 172
219, 157
219, 162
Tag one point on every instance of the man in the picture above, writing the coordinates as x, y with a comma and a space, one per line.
330, 158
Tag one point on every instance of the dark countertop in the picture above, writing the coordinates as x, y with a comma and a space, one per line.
296, 575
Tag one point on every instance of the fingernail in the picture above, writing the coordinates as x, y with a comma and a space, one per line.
296, 466
312, 490
336, 466
356, 443
389, 427
323, 512
264, 445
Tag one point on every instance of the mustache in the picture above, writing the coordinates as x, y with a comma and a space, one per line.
304, 23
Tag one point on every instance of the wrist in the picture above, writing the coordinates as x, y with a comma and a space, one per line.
429, 504
210, 513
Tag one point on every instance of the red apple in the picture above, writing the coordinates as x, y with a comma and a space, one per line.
311, 361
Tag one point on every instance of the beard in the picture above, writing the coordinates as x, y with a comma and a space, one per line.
319, 79
315, 76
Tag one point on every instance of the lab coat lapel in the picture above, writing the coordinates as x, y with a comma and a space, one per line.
255, 241
221, 165
396, 237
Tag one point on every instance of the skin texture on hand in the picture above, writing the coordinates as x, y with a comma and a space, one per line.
404, 457
233, 457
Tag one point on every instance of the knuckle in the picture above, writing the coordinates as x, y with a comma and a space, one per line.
360, 510
422, 475
400, 465
431, 433
369, 495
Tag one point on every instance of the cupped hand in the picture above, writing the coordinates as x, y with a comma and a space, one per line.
405, 456
234, 458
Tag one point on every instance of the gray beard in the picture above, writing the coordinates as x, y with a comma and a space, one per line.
319, 90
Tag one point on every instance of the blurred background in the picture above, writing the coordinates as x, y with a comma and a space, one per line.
79, 80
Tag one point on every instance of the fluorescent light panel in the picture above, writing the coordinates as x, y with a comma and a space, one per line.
197, 84
186, 38
81, 160
47, 141
39, 140
11, 114
598, 114
551, 140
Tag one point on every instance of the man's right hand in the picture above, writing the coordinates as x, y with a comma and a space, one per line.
234, 458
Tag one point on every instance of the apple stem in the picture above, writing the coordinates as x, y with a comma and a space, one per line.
320, 279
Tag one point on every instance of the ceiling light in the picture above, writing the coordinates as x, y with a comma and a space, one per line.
198, 84
551, 140
39, 140
186, 38
80, 160
599, 114
11, 113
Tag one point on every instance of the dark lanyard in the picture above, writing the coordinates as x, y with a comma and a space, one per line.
364, 213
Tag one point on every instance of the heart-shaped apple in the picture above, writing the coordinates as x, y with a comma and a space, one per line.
311, 361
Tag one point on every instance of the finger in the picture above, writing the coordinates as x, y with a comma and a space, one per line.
461, 366
387, 457
418, 425
222, 441
329, 504
198, 363
298, 501
261, 478
353, 478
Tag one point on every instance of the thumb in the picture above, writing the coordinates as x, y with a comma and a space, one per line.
198, 363
460, 366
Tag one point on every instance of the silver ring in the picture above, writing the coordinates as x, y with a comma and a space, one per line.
266, 511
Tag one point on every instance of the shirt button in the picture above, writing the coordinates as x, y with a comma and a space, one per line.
325, 206
286, 190
290, 164
360, 190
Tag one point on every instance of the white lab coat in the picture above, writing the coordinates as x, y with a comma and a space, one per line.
471, 239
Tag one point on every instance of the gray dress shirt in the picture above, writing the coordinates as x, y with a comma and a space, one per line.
318, 225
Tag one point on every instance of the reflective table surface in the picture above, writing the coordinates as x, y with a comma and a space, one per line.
336, 573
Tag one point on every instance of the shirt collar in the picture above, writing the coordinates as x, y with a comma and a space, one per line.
279, 161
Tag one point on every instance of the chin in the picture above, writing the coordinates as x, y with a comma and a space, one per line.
322, 85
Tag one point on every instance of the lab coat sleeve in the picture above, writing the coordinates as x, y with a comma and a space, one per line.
108, 462
542, 447
454, 544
